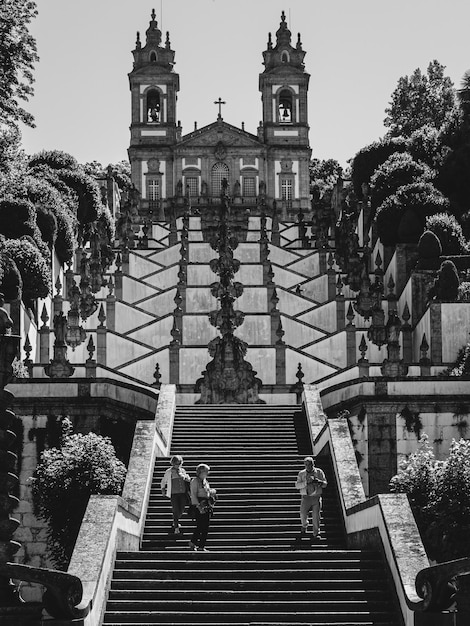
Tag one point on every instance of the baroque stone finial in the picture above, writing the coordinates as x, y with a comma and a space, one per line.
90, 348
153, 15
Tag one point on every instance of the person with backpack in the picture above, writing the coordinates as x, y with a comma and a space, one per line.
202, 504
310, 482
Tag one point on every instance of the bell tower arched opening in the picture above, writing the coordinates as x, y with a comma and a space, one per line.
153, 107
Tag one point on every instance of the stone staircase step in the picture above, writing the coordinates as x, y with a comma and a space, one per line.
258, 570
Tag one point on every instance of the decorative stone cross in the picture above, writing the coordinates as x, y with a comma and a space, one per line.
220, 102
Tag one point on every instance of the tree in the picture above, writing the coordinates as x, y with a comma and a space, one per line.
323, 174
420, 99
17, 58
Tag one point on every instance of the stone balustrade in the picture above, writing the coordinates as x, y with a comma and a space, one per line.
385, 522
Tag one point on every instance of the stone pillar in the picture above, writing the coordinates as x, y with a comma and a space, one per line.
281, 364
174, 364
331, 279
101, 338
407, 339
111, 307
340, 312
436, 332
118, 277
44, 332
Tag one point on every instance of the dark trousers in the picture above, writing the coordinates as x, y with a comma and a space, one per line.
178, 505
199, 537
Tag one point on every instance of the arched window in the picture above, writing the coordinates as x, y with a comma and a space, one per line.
153, 107
285, 106
285, 57
153, 56
218, 173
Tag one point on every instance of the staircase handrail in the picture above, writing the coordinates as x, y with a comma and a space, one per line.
63, 594
385, 520
110, 523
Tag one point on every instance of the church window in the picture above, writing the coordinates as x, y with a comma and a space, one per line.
153, 56
153, 191
153, 106
249, 186
287, 190
192, 185
285, 106
285, 57
219, 172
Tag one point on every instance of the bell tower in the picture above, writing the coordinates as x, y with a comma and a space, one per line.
154, 132
284, 87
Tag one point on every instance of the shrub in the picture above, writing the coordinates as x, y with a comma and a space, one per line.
55, 159
63, 482
461, 366
18, 218
429, 246
464, 292
439, 494
449, 508
35, 272
11, 283
47, 224
421, 198
45, 196
368, 159
65, 168
398, 170
449, 232
446, 285
415, 477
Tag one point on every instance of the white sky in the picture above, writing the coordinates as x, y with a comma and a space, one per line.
356, 51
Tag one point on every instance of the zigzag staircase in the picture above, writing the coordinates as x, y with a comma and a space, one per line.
146, 287
255, 571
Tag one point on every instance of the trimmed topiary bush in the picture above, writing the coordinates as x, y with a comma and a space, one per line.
446, 285
10, 278
399, 170
47, 224
429, 246
18, 218
55, 159
422, 198
63, 482
449, 232
368, 159
35, 272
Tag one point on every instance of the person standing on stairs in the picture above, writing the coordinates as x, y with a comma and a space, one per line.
202, 501
310, 481
174, 485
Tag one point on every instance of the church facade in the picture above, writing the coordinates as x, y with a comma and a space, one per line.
273, 163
